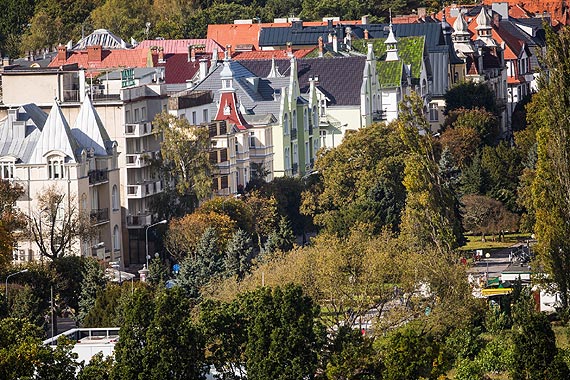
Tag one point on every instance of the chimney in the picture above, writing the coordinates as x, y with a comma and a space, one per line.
94, 53
365, 34
496, 20
330, 23
320, 46
364, 20
422, 12
192, 57
228, 51
289, 48
335, 43
161, 55
61, 53
480, 60
203, 68
348, 38
311, 86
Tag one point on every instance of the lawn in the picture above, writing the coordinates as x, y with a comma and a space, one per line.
474, 242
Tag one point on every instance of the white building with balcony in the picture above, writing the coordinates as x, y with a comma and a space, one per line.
40, 151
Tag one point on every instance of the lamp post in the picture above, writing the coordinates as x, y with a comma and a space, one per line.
10, 275
146, 237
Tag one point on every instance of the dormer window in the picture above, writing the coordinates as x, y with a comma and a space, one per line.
227, 110
55, 167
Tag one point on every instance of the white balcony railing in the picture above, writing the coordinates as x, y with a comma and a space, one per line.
138, 129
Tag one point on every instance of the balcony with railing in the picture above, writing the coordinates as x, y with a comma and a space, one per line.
139, 221
140, 160
97, 177
138, 129
294, 134
144, 190
378, 115
100, 215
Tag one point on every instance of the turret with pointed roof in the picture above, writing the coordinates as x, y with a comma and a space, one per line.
56, 136
89, 131
228, 109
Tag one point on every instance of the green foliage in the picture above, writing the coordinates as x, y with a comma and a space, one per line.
98, 368
502, 165
11, 219
137, 314
431, 215
185, 158
92, 283
25, 304
106, 309
239, 253
287, 193
281, 239
69, 278
350, 355
483, 121
157, 272
208, 262
283, 337
409, 353
173, 348
224, 326
473, 179
551, 187
24, 356
235, 208
360, 181
471, 95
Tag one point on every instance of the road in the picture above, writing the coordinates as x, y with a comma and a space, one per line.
495, 264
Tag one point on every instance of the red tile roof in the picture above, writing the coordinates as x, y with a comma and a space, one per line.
177, 68
554, 7
268, 54
110, 59
228, 100
241, 34
181, 46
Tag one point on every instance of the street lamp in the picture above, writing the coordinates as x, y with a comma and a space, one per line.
10, 275
146, 237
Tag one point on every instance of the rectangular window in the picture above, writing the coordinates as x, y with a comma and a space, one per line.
252, 140
144, 113
323, 135
137, 115
193, 117
7, 170
127, 116
205, 116
433, 112
307, 153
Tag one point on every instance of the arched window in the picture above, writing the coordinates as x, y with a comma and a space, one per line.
315, 117
55, 167
305, 119
116, 240
294, 120
286, 124
115, 198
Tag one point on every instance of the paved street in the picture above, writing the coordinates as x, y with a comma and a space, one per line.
495, 264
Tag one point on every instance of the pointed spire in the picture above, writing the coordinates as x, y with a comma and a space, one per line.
391, 44
55, 136
89, 131
461, 31
227, 77
274, 73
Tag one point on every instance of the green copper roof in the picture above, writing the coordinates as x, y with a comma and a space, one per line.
410, 52
390, 73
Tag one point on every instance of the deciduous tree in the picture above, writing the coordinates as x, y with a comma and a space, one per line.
57, 225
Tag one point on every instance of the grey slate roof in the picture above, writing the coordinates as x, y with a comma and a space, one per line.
11, 144
88, 130
340, 78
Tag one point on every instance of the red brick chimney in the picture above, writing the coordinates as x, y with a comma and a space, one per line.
94, 53
229, 51
321, 46
62, 53
365, 34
